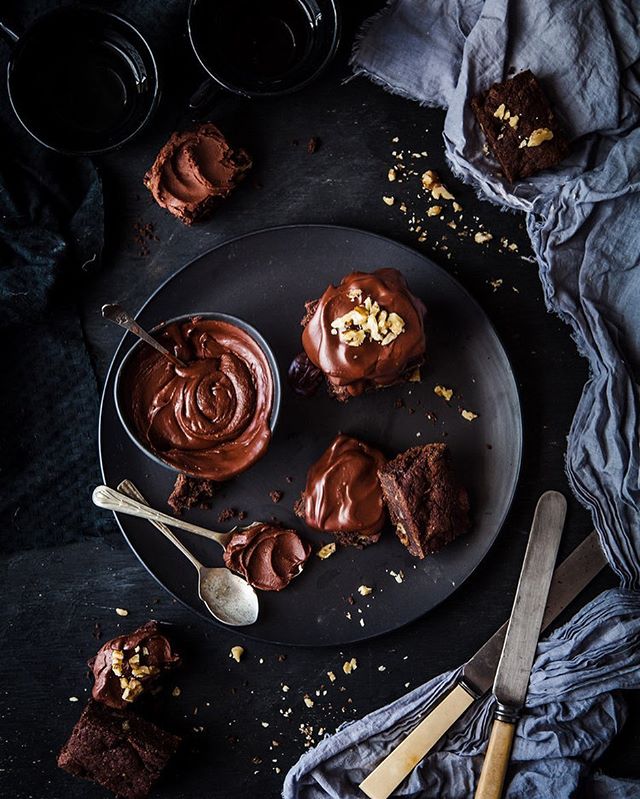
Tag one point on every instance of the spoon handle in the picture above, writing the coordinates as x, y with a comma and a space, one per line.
128, 488
108, 498
117, 314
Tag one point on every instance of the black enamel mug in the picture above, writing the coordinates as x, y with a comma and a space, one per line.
81, 80
262, 48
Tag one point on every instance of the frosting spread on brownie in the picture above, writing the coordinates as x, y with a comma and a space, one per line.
354, 359
211, 418
342, 492
193, 170
124, 665
267, 556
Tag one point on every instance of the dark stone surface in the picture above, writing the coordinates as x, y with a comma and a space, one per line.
53, 598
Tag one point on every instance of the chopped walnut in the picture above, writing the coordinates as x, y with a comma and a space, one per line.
468, 415
349, 665
391, 175
236, 653
434, 210
308, 700
122, 612
368, 320
482, 236
326, 551
364, 590
445, 393
331, 676
389, 200
499, 112
536, 138
432, 182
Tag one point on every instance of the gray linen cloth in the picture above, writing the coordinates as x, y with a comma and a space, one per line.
583, 219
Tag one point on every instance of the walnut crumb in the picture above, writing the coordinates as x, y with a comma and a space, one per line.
326, 551
122, 612
236, 653
445, 393
482, 236
308, 700
364, 590
434, 210
391, 175
389, 200
468, 415
331, 676
349, 665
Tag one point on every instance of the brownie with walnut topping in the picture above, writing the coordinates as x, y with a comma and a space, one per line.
521, 128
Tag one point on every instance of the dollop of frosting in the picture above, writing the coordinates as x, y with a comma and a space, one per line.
211, 418
125, 666
194, 170
266, 555
342, 493
369, 365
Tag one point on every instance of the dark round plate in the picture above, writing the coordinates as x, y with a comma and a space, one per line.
265, 278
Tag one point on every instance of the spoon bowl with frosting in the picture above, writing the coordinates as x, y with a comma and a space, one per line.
211, 418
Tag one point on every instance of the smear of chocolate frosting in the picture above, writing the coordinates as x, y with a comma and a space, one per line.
370, 365
211, 418
342, 493
150, 650
267, 556
194, 170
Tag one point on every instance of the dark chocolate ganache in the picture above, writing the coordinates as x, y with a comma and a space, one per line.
367, 332
194, 170
211, 418
266, 555
342, 493
126, 666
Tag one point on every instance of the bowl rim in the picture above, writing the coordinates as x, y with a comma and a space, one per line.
224, 317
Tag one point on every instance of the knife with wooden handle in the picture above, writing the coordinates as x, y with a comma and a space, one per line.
569, 579
514, 668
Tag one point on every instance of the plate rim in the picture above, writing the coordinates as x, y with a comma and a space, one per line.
519, 419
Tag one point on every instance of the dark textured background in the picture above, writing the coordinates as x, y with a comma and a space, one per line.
54, 597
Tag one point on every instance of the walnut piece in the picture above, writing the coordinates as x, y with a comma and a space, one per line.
432, 182
536, 138
326, 551
445, 393
368, 321
236, 653
349, 665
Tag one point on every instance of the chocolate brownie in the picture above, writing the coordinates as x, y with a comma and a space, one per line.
427, 505
190, 492
120, 751
521, 128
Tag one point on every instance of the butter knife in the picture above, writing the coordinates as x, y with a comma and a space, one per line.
569, 579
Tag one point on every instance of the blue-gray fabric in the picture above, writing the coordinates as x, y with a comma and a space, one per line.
583, 219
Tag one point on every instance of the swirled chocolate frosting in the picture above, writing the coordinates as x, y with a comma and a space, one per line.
351, 370
343, 495
125, 666
194, 171
211, 418
267, 556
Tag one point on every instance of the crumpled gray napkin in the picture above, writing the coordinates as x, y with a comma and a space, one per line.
583, 219
573, 711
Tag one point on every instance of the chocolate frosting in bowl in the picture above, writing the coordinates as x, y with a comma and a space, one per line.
194, 170
267, 556
211, 418
343, 493
371, 364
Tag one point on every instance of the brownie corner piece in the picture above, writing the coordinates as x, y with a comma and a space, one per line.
426, 503
120, 751
520, 126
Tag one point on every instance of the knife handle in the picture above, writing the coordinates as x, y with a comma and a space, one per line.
386, 777
496, 760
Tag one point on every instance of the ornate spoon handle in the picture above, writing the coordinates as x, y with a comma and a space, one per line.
118, 315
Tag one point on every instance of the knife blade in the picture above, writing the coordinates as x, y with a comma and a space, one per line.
514, 667
569, 579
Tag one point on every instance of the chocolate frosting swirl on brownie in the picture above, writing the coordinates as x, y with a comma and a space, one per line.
211, 418
194, 170
267, 556
136, 659
371, 364
342, 493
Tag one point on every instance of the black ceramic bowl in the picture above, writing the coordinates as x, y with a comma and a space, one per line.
121, 394
82, 81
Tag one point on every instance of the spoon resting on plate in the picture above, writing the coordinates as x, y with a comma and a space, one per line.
226, 595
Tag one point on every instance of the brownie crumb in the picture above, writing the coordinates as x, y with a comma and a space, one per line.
190, 492
242, 515
276, 496
226, 514
313, 145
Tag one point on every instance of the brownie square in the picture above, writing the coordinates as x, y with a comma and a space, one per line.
427, 505
521, 128
120, 751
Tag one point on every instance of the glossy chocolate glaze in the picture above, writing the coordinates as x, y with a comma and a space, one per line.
371, 365
210, 419
267, 556
342, 493
154, 654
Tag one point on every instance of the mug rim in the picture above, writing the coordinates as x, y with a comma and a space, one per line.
225, 84
140, 44
224, 317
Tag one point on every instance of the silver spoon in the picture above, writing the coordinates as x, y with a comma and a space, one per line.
117, 314
227, 596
